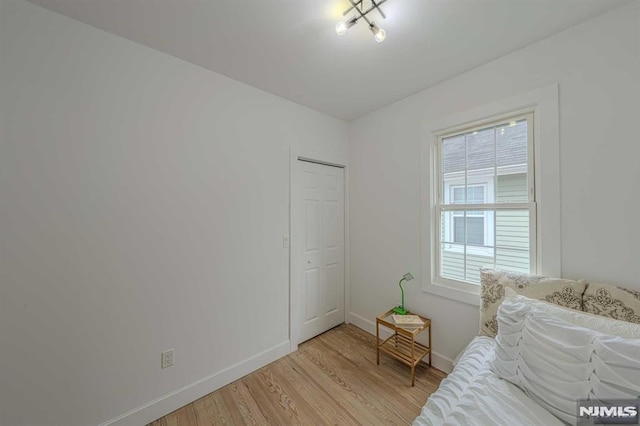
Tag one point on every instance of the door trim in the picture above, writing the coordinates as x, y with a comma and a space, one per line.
297, 154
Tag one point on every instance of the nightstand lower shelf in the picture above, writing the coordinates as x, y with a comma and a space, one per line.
399, 347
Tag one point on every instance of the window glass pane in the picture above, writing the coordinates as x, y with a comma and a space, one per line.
462, 261
475, 231
512, 188
481, 151
453, 164
452, 261
475, 194
511, 143
458, 195
473, 264
453, 226
453, 154
458, 229
512, 240
511, 160
481, 162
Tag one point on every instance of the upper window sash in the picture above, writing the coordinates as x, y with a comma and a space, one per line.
468, 177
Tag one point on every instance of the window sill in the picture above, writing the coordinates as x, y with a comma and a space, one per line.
461, 292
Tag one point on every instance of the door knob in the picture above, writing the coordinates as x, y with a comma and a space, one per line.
309, 262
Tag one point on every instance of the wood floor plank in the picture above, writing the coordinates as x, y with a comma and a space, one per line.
212, 409
391, 393
368, 389
239, 394
332, 379
168, 420
391, 371
353, 402
187, 416
322, 405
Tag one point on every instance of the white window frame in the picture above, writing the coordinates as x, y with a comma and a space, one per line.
543, 104
443, 200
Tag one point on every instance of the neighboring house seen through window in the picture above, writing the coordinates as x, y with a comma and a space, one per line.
485, 209
475, 220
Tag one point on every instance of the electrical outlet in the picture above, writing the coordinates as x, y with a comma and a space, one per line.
167, 358
285, 241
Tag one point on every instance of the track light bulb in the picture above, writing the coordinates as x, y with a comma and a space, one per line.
378, 32
343, 26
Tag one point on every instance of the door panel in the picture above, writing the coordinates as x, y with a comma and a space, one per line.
312, 226
331, 230
311, 288
331, 289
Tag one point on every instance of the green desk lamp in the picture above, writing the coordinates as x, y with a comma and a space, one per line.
400, 310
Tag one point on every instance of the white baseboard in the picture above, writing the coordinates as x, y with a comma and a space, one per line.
182, 396
439, 361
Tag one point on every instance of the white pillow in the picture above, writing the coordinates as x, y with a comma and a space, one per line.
514, 310
583, 319
556, 362
616, 364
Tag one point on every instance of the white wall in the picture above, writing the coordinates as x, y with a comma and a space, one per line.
143, 204
597, 67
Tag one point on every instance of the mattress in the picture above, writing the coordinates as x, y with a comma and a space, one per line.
473, 395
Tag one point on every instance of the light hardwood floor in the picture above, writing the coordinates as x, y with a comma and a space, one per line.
331, 379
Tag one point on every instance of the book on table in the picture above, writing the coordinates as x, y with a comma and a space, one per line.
408, 321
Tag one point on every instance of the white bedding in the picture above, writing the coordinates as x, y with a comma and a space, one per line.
543, 360
474, 395
558, 357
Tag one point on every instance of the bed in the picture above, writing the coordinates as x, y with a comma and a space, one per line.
541, 351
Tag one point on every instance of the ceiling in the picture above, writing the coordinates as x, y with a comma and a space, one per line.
290, 47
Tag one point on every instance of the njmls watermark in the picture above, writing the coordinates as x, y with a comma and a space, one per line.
612, 412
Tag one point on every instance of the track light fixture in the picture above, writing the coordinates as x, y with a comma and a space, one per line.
378, 33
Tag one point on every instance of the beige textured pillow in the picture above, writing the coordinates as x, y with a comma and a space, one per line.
562, 292
613, 302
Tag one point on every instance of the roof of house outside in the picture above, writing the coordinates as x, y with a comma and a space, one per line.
497, 146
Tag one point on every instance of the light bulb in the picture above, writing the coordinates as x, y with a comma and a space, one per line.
380, 35
343, 26
378, 32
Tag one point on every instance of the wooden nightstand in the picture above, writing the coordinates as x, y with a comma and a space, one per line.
402, 344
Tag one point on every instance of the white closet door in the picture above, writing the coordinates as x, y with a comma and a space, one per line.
321, 247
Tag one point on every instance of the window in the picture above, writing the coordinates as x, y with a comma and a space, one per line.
485, 209
490, 194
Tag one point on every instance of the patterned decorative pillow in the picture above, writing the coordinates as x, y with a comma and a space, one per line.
613, 302
562, 292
